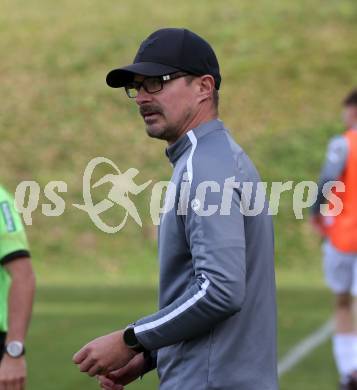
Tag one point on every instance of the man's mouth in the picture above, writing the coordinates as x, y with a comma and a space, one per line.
150, 115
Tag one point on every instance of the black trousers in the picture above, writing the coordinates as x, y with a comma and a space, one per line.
2, 344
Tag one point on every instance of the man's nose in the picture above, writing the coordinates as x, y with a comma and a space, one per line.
143, 96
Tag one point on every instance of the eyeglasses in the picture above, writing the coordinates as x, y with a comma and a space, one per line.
151, 84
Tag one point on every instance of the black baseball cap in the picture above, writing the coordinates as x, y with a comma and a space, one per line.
167, 51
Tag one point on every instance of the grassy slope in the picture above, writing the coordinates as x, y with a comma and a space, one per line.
285, 66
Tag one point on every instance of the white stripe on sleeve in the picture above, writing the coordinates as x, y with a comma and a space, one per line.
180, 309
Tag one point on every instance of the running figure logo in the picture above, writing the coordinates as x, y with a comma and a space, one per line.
122, 186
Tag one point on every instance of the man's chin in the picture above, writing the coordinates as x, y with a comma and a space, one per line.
155, 131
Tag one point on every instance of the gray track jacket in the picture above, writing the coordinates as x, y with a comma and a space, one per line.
216, 326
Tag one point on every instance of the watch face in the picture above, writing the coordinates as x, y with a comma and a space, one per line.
130, 338
15, 349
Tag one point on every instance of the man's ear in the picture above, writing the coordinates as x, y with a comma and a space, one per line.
205, 87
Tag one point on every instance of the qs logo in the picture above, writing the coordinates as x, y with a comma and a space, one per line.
123, 186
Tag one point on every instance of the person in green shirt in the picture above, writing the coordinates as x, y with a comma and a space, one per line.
17, 289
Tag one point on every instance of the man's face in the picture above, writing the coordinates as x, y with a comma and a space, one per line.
350, 116
167, 112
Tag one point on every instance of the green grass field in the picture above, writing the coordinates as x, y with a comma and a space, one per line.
286, 66
66, 318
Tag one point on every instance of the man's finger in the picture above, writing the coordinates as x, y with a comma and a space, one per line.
9, 385
122, 376
12, 384
22, 383
114, 387
107, 384
95, 370
3, 384
86, 365
104, 387
80, 355
103, 380
117, 374
17, 384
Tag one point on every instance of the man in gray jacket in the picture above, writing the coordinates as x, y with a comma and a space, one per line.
216, 323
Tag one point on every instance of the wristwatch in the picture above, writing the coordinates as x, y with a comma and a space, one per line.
131, 340
15, 349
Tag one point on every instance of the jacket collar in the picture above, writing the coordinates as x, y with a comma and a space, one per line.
174, 151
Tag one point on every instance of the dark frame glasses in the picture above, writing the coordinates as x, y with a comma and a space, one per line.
151, 84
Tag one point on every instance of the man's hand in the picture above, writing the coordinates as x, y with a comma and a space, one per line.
104, 354
317, 222
12, 373
116, 380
